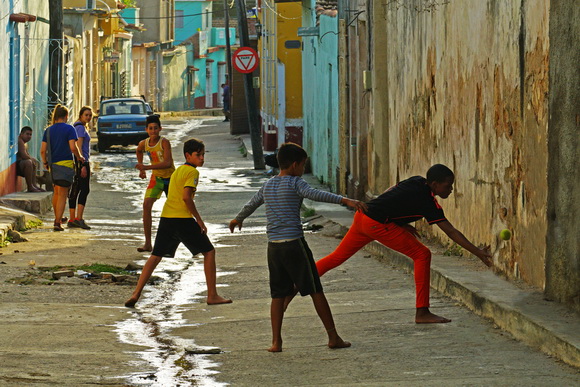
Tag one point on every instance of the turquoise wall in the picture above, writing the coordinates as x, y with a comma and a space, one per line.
218, 37
191, 24
320, 98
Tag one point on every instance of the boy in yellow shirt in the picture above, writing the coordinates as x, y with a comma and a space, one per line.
181, 223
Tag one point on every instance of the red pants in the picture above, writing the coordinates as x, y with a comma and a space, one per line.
365, 230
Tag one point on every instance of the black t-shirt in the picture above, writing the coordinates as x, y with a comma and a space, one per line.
406, 202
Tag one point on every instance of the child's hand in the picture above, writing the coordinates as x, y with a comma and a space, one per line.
202, 226
485, 255
142, 174
233, 225
140, 166
355, 204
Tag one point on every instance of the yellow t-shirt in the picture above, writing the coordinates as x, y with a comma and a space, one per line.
184, 176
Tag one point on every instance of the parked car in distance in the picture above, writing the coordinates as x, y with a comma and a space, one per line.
122, 121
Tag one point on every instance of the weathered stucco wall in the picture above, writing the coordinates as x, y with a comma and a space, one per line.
320, 96
175, 78
562, 239
466, 85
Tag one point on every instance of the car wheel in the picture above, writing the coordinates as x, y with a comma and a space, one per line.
103, 145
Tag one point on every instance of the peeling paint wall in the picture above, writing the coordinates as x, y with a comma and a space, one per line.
466, 85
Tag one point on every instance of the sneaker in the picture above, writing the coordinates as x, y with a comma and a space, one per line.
73, 223
82, 224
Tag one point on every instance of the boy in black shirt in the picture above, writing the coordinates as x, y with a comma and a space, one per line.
387, 221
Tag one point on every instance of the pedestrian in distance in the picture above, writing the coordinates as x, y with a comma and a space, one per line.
80, 188
26, 165
387, 221
226, 101
290, 261
159, 150
59, 144
181, 223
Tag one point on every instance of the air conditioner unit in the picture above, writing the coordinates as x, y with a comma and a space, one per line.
90, 4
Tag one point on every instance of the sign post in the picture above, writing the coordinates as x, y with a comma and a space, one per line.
247, 60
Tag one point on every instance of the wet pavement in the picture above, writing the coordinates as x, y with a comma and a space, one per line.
173, 338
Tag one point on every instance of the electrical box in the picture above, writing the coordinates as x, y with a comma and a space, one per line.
367, 80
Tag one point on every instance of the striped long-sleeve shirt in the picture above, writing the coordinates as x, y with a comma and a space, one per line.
283, 196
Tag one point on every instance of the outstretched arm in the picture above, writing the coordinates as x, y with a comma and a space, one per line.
256, 201
462, 241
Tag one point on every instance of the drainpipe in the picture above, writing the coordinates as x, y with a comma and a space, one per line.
55, 53
342, 102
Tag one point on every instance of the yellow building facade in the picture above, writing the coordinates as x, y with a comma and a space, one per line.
281, 73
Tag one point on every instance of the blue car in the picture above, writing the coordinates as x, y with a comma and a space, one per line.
122, 121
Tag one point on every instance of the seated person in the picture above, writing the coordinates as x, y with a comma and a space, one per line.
26, 165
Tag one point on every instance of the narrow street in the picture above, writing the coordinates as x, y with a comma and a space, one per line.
77, 333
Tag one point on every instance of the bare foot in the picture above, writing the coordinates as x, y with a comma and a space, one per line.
216, 300
144, 249
338, 343
35, 189
424, 316
130, 303
276, 347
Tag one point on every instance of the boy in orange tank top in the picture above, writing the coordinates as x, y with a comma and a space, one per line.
159, 150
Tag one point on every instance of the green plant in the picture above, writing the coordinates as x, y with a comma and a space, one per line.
308, 212
35, 223
7, 240
453, 249
101, 267
128, 3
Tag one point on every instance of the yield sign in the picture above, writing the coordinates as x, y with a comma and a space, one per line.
245, 60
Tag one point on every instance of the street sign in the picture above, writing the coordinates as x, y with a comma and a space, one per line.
245, 60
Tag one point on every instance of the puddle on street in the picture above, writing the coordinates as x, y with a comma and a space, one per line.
168, 360
171, 360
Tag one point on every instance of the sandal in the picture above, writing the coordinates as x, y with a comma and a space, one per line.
57, 227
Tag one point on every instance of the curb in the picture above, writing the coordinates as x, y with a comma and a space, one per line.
529, 318
13, 219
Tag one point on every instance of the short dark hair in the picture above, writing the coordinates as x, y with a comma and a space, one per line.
193, 145
290, 153
438, 173
153, 119
25, 128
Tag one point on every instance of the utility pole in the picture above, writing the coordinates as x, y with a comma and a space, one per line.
55, 53
255, 134
228, 45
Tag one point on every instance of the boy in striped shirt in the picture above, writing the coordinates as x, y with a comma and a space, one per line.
290, 261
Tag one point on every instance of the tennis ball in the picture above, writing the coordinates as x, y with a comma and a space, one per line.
505, 234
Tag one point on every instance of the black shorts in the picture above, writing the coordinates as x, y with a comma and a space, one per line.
173, 231
19, 170
292, 264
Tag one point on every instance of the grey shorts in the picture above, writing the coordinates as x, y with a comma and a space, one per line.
291, 264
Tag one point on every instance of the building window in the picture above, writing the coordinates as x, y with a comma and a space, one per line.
292, 44
178, 18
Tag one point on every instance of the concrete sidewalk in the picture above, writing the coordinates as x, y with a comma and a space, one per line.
18, 208
520, 310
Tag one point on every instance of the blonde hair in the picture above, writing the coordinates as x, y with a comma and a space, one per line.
59, 112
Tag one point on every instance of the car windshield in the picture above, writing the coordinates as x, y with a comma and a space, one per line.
123, 107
